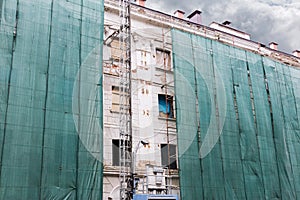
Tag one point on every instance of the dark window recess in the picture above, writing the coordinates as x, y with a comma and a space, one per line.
116, 152
165, 103
165, 159
115, 99
163, 58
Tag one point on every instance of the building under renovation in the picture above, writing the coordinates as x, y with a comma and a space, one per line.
113, 100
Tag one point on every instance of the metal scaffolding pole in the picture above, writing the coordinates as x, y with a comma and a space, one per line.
126, 182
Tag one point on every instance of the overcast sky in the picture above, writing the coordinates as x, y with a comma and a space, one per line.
265, 20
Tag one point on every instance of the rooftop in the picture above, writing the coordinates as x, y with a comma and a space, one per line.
159, 18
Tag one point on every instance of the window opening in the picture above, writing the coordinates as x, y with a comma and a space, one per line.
165, 106
165, 157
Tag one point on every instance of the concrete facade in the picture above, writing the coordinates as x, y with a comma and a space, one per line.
150, 78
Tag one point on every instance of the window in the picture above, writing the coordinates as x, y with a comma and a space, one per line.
116, 152
165, 106
143, 58
115, 99
163, 58
165, 159
115, 49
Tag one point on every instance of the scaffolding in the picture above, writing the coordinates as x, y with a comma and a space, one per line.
167, 99
126, 182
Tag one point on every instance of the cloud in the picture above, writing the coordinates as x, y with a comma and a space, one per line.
265, 20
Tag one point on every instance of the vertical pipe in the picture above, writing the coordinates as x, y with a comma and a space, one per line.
234, 85
129, 95
254, 117
13, 45
167, 108
79, 105
217, 106
272, 123
197, 109
45, 102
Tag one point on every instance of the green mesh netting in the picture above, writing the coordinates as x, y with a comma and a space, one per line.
237, 120
51, 99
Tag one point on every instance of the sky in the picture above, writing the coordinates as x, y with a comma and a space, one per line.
265, 20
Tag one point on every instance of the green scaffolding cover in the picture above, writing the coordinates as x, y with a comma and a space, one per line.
237, 117
51, 99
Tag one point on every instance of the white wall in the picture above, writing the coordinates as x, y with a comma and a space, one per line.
147, 82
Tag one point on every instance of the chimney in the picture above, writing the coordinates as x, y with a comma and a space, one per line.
226, 23
141, 2
296, 53
195, 17
179, 14
273, 45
